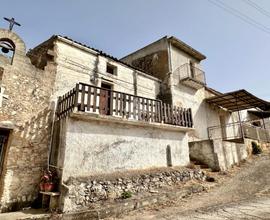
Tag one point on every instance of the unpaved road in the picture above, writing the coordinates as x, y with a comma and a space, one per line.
255, 209
244, 194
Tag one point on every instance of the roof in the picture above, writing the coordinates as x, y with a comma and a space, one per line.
186, 48
238, 100
60, 37
177, 43
100, 52
260, 114
215, 92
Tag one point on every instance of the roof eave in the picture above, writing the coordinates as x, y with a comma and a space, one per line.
188, 49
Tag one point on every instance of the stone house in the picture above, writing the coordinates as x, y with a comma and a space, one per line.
70, 107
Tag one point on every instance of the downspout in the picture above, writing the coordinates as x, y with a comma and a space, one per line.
94, 77
169, 75
53, 104
135, 82
169, 56
52, 133
239, 116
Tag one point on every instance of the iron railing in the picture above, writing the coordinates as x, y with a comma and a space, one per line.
234, 131
88, 98
187, 71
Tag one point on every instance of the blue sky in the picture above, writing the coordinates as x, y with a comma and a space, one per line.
237, 53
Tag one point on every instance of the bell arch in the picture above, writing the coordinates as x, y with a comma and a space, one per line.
7, 50
11, 46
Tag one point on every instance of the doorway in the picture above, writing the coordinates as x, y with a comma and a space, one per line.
4, 134
105, 99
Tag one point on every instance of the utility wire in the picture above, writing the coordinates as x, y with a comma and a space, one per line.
241, 16
257, 7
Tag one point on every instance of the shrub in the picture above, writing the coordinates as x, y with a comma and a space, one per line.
126, 195
256, 148
191, 165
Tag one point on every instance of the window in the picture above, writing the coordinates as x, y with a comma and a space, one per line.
111, 69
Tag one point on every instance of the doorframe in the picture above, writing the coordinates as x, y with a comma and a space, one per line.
111, 88
3, 158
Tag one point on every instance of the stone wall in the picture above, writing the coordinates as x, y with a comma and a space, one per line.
83, 193
27, 109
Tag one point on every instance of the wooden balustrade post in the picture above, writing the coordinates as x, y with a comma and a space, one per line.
76, 100
82, 98
164, 111
95, 100
89, 98
129, 106
134, 107
111, 102
191, 118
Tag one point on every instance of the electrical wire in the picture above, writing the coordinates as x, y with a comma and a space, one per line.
241, 16
74, 63
257, 7
115, 82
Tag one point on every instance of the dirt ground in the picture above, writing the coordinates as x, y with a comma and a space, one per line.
241, 193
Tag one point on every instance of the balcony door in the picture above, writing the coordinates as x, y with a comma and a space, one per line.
105, 99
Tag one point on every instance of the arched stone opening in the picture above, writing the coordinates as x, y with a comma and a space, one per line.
7, 50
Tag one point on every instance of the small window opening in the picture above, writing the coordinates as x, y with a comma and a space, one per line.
111, 69
7, 48
169, 156
257, 124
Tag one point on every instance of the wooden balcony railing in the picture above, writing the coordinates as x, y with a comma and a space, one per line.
88, 98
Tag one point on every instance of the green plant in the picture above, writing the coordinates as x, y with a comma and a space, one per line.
256, 148
126, 195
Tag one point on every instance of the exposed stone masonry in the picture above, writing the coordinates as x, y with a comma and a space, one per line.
28, 112
82, 192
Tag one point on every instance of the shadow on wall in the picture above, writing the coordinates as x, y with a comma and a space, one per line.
80, 126
217, 154
200, 122
26, 157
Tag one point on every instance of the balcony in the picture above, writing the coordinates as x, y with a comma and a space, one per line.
91, 99
190, 76
236, 132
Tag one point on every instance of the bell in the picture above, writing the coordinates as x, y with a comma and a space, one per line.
5, 50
